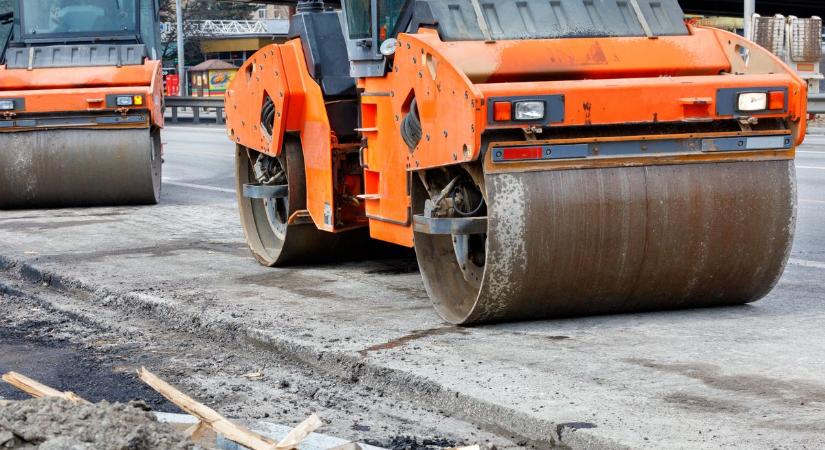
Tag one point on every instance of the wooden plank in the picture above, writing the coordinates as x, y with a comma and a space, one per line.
38, 390
205, 414
235, 433
299, 433
197, 431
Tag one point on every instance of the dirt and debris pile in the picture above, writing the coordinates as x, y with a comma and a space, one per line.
57, 424
412, 443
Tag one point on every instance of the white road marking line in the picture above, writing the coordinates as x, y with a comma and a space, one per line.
805, 263
198, 186
805, 200
810, 167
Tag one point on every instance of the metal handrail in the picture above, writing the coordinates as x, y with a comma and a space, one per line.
816, 104
219, 28
197, 104
188, 102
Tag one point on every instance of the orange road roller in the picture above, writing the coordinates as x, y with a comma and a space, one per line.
80, 103
545, 159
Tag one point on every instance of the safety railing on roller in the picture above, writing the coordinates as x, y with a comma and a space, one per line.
196, 110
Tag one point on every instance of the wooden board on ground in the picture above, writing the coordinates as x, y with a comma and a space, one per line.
38, 390
211, 418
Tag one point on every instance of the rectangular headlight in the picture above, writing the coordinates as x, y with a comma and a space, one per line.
124, 100
6, 105
753, 101
529, 111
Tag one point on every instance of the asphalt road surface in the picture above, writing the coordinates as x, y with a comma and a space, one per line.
177, 281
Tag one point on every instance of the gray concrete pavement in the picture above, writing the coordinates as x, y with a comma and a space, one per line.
751, 376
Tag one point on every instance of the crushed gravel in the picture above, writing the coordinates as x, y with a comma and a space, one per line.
57, 424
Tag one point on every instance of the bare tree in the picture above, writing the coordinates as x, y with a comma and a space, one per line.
193, 11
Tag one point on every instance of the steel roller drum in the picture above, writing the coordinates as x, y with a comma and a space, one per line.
76, 167
610, 240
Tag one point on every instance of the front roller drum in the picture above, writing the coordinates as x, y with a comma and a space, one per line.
277, 227
614, 240
73, 167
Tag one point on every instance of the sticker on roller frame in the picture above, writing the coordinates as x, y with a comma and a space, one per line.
540, 152
740, 144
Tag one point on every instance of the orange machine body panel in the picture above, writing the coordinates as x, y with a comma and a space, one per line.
604, 82
72, 90
280, 72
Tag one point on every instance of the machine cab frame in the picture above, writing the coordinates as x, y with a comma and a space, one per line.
55, 23
367, 24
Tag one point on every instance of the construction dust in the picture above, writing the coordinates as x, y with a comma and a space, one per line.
58, 424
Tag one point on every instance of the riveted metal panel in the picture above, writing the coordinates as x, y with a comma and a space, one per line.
78, 55
547, 19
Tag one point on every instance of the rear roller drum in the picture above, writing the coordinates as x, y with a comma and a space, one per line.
278, 230
599, 241
73, 167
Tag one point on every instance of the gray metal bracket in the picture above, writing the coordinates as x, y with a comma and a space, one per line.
450, 226
264, 191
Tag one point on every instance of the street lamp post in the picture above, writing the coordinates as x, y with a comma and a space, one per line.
750, 9
183, 84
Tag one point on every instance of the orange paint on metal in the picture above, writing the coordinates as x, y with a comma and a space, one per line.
77, 77
84, 89
584, 58
245, 98
389, 211
639, 100
280, 72
603, 82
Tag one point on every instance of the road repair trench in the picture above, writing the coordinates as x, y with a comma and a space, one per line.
68, 349
93, 374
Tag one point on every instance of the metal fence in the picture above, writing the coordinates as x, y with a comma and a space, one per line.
198, 105
228, 28
816, 104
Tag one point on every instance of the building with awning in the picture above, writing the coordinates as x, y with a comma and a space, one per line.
234, 41
211, 77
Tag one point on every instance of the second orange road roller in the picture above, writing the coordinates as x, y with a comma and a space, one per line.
80, 103
545, 159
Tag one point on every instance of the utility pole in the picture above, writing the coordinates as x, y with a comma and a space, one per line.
750, 9
181, 62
